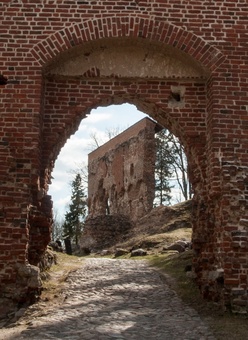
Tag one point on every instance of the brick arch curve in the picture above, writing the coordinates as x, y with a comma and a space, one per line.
122, 26
51, 48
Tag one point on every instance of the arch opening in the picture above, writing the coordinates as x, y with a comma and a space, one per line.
174, 95
160, 80
131, 188
99, 127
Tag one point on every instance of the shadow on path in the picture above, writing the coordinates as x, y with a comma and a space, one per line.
118, 299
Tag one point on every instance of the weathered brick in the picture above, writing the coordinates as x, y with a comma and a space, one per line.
39, 112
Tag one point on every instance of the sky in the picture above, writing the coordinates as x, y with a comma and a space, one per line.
75, 152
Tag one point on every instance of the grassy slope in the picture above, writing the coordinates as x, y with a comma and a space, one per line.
161, 227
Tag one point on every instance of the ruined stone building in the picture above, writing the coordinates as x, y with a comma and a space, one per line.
121, 173
184, 63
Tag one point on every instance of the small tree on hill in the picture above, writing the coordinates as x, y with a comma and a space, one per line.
180, 167
74, 218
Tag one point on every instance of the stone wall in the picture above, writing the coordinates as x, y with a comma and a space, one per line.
102, 232
121, 173
184, 63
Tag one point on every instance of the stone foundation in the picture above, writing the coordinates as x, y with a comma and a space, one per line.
102, 232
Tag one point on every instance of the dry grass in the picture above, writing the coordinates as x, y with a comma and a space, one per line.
58, 274
157, 240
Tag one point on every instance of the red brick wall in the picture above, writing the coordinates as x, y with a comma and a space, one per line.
121, 173
39, 113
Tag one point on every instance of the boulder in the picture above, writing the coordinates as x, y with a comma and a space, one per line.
176, 247
31, 274
180, 246
105, 252
138, 252
120, 252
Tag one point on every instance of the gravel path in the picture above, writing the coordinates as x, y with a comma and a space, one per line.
118, 299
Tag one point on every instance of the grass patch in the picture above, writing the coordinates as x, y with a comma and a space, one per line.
174, 265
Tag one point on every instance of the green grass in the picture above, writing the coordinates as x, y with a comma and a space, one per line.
174, 265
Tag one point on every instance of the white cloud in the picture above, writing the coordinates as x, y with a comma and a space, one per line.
61, 204
97, 116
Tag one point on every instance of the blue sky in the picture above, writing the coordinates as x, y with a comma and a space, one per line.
76, 149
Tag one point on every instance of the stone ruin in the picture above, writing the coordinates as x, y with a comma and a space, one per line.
121, 173
121, 184
103, 232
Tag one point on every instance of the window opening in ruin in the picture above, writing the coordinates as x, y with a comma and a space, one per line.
108, 207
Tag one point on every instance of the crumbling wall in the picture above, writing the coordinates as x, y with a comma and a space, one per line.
121, 173
102, 232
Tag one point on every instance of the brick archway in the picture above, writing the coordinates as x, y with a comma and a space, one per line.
40, 111
68, 98
123, 26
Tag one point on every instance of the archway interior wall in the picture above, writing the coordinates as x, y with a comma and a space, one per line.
82, 79
69, 100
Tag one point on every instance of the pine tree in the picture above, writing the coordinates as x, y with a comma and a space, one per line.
74, 218
162, 170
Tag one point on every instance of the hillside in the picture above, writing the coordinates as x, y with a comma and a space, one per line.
160, 228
